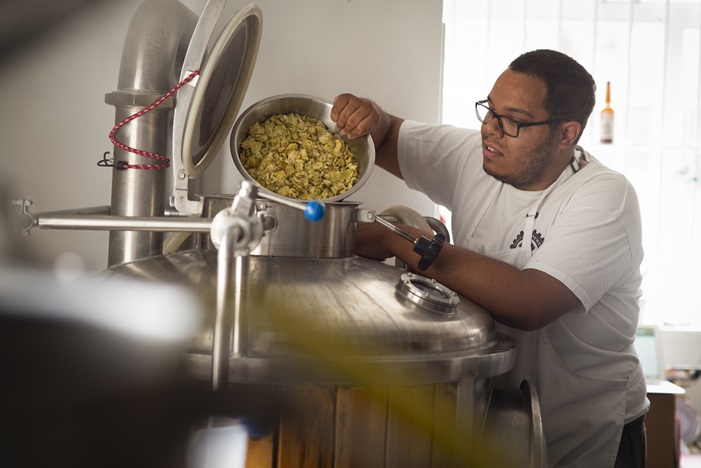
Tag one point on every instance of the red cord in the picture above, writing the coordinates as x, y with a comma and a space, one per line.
113, 139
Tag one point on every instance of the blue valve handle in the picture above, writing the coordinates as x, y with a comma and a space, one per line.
314, 210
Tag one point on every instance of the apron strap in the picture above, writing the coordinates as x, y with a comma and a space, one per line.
533, 212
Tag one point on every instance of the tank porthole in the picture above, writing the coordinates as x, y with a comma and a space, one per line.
428, 294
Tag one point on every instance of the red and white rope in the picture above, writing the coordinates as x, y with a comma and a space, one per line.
118, 144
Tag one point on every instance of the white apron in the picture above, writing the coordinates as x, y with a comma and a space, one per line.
582, 416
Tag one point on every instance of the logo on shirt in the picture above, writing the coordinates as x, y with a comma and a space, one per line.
537, 239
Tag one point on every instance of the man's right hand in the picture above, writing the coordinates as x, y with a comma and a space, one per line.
355, 117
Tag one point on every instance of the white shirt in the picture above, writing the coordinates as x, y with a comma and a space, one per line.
585, 231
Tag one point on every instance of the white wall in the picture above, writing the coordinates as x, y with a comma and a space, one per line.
55, 121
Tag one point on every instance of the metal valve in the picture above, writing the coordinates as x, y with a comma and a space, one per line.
240, 221
427, 249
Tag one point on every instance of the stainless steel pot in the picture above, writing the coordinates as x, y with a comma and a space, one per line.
362, 148
289, 234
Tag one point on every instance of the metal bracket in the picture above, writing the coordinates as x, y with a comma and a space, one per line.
24, 205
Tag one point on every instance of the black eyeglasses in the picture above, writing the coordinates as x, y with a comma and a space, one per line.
508, 126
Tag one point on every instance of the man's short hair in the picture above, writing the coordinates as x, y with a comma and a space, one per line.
570, 87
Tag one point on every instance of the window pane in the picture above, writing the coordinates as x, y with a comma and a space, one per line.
646, 80
650, 51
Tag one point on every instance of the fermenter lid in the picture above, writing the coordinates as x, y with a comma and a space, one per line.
205, 112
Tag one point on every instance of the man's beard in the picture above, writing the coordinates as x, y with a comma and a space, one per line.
531, 167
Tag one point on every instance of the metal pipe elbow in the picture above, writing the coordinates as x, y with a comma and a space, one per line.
155, 46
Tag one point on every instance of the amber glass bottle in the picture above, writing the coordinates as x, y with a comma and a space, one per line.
607, 118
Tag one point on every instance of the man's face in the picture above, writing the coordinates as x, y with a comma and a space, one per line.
527, 162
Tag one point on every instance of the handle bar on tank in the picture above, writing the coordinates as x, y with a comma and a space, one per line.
98, 218
235, 232
427, 249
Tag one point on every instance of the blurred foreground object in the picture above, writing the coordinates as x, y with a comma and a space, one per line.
22, 21
92, 372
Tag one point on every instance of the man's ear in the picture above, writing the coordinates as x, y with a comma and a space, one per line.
569, 131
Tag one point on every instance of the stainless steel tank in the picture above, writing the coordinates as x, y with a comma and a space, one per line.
381, 367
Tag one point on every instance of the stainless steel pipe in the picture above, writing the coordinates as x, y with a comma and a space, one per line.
130, 223
152, 57
228, 333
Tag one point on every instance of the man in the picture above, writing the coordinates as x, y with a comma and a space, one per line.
547, 239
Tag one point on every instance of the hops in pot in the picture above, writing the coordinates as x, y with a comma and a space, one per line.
296, 156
